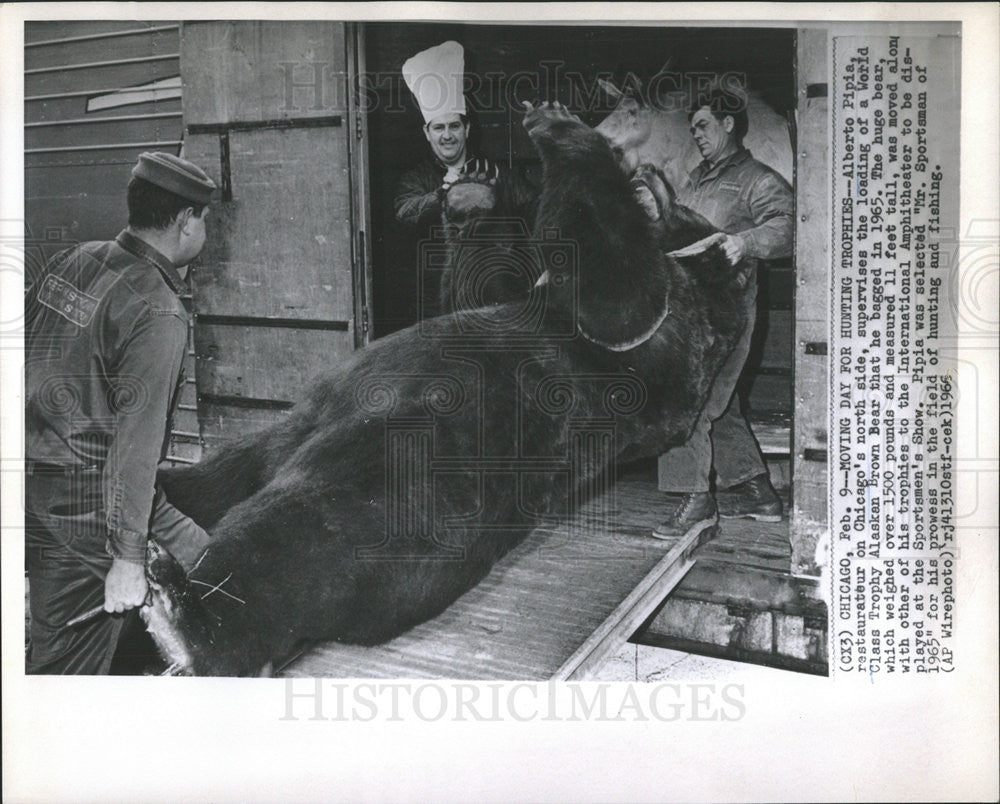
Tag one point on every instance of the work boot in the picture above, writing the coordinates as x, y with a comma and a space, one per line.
694, 508
752, 499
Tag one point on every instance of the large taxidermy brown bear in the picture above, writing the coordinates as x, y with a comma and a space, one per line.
487, 248
403, 476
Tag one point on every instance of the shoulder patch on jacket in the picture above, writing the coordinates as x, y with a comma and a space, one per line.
71, 303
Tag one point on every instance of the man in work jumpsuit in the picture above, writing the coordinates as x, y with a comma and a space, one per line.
106, 338
754, 205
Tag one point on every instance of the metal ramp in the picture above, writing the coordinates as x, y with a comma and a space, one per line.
555, 607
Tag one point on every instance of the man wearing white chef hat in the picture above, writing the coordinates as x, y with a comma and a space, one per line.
435, 77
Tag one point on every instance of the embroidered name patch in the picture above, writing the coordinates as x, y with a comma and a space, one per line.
72, 304
730, 187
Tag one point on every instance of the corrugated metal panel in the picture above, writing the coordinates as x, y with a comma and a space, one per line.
66, 135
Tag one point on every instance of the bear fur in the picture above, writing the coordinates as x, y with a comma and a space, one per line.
484, 245
330, 525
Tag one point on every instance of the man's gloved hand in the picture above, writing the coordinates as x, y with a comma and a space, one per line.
125, 587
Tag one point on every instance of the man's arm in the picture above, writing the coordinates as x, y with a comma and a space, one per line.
142, 386
417, 201
772, 209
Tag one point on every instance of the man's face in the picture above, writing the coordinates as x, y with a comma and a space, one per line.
712, 136
192, 235
447, 135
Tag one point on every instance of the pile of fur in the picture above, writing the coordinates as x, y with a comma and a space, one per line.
404, 474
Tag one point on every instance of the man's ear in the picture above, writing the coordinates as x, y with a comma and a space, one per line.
183, 218
427, 132
728, 123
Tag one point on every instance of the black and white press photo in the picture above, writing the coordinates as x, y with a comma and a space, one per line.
382, 369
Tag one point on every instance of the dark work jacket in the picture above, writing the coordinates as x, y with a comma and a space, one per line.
745, 198
106, 337
418, 204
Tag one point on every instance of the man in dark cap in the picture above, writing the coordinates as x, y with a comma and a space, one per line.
105, 341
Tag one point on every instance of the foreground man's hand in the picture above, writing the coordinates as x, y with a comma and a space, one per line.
125, 586
733, 248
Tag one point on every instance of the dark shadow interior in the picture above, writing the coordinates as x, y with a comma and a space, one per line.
508, 63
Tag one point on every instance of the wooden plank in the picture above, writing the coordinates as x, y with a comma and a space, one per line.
280, 241
76, 107
246, 70
635, 608
761, 545
776, 349
97, 216
282, 246
219, 423
264, 362
774, 439
546, 598
812, 304
770, 394
536, 607
187, 451
361, 203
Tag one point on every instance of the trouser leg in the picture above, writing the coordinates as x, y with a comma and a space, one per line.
62, 584
736, 453
686, 467
67, 565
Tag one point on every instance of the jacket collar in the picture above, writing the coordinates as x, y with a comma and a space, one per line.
442, 168
140, 248
737, 158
